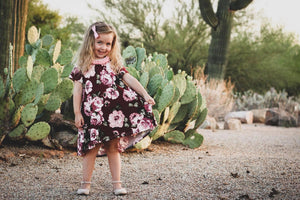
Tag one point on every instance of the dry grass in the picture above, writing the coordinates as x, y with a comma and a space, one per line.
217, 93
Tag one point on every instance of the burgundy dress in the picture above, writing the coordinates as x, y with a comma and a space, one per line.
110, 109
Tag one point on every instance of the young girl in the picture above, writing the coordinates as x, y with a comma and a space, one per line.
112, 109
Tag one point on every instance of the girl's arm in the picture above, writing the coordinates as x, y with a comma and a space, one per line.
77, 95
136, 86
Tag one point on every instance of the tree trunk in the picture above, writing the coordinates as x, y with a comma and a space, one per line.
220, 38
221, 24
13, 14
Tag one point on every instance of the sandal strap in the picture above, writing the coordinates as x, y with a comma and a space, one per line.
116, 181
86, 182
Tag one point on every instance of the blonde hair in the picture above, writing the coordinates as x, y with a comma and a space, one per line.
86, 51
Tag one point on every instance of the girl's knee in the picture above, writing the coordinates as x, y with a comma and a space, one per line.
112, 146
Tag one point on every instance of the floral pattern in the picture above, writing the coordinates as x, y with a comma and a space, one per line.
110, 109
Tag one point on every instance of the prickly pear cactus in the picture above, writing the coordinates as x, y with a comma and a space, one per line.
178, 102
37, 89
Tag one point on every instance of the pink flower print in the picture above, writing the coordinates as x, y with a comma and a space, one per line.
96, 119
94, 134
109, 70
144, 125
106, 78
111, 93
148, 107
135, 118
116, 133
87, 108
80, 136
97, 104
116, 119
106, 103
88, 87
129, 95
90, 72
123, 143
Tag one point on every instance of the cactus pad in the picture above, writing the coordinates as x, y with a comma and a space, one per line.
166, 98
29, 67
47, 40
38, 131
180, 82
32, 35
50, 79
28, 114
65, 57
141, 55
133, 72
64, 89
53, 103
130, 57
144, 143
144, 79
193, 139
2, 88
67, 70
189, 93
56, 51
43, 58
17, 133
16, 117
154, 83
39, 93
19, 79
28, 93
161, 60
174, 136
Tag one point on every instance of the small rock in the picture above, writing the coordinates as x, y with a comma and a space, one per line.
232, 124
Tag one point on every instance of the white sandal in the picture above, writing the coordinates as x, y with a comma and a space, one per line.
120, 191
81, 191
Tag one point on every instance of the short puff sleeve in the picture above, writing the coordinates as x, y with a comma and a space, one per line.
122, 71
76, 75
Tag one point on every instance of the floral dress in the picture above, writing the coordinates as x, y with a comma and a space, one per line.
110, 109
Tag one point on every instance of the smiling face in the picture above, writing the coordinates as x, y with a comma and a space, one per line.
103, 45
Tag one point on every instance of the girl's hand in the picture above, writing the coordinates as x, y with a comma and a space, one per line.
149, 99
79, 120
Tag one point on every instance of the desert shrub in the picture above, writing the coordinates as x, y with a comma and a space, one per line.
218, 94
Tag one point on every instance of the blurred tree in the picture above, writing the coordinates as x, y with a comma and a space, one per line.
271, 59
221, 25
50, 22
13, 14
184, 37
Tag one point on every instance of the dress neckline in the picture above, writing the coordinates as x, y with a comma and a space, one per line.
101, 61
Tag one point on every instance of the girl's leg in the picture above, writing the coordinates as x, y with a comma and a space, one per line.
114, 161
88, 164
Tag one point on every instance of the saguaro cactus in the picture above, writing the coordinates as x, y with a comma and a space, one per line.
221, 24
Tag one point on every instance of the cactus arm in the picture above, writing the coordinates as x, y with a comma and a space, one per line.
239, 4
208, 14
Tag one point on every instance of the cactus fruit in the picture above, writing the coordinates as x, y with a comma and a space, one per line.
38, 131
33, 35
193, 139
19, 79
174, 136
17, 133
50, 80
28, 114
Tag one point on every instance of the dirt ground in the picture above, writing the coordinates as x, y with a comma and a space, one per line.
258, 162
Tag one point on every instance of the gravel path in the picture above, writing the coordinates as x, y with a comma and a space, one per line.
258, 162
